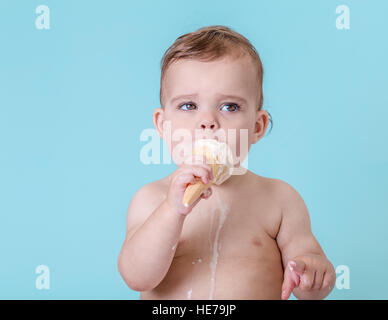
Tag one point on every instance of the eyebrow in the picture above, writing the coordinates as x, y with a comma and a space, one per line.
233, 97
222, 96
183, 96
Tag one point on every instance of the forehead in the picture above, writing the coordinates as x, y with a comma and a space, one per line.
227, 75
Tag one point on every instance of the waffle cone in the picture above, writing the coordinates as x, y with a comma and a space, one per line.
194, 191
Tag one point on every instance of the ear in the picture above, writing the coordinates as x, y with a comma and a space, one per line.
261, 125
158, 119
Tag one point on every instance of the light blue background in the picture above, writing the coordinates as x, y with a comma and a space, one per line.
74, 100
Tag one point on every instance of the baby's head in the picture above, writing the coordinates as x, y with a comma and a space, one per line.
211, 87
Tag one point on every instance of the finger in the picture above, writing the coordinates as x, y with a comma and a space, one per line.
197, 160
205, 166
298, 266
294, 275
288, 284
318, 280
307, 280
196, 171
202, 171
184, 179
328, 281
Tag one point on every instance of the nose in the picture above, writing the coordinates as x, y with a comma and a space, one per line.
208, 124
207, 127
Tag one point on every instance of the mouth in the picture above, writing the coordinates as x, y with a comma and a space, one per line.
217, 135
212, 138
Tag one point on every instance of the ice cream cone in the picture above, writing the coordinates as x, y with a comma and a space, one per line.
219, 158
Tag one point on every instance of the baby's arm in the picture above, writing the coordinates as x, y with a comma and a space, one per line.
152, 231
154, 225
306, 267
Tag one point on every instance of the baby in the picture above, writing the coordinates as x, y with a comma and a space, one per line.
247, 238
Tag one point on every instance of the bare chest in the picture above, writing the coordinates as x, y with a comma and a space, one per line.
233, 228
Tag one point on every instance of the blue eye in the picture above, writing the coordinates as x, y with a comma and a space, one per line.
182, 106
235, 107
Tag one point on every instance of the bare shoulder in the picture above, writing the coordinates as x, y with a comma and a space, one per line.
285, 193
280, 191
151, 193
145, 201
291, 202
276, 187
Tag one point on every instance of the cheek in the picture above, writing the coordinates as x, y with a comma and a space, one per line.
179, 139
241, 139
241, 145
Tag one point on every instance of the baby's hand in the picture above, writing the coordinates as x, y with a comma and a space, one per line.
184, 175
312, 274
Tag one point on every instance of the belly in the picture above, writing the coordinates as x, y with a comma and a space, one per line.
227, 277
